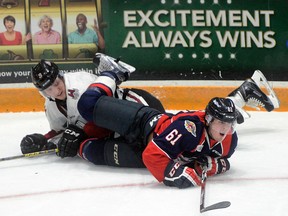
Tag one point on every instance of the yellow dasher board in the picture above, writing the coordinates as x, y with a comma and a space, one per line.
46, 17
15, 49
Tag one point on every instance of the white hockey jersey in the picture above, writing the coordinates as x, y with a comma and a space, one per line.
76, 84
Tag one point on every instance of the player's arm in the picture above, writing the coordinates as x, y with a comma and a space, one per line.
70, 141
37, 142
167, 171
212, 165
185, 176
72, 137
160, 154
218, 165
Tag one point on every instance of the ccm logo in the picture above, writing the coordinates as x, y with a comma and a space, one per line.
173, 170
71, 132
115, 154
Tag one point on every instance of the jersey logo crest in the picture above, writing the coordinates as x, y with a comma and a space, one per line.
73, 93
190, 127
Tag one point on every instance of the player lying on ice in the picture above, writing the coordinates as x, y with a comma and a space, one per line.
61, 93
179, 149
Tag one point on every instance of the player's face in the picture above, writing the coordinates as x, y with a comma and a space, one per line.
218, 130
57, 90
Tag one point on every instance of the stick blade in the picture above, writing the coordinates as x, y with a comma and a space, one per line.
219, 205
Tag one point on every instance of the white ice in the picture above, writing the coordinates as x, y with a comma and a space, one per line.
256, 185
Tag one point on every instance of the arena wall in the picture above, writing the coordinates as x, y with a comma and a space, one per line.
175, 95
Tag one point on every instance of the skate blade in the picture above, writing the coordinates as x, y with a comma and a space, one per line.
125, 65
261, 80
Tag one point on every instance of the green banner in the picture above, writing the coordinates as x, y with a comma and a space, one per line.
201, 39
162, 39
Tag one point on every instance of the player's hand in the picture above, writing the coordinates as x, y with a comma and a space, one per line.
70, 141
33, 143
212, 165
181, 176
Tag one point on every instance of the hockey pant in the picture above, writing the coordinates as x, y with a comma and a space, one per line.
131, 120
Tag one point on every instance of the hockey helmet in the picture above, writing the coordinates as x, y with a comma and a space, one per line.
222, 109
44, 74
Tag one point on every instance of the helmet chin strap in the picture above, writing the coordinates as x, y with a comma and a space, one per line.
208, 119
210, 137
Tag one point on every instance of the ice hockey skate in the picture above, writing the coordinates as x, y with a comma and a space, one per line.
107, 63
251, 94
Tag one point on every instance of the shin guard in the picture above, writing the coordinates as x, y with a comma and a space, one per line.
118, 153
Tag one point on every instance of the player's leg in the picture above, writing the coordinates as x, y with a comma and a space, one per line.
250, 94
131, 120
105, 84
112, 152
113, 67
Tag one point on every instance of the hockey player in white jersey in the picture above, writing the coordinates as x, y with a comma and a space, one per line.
62, 92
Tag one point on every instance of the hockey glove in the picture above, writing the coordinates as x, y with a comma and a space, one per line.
212, 165
34, 143
181, 176
70, 141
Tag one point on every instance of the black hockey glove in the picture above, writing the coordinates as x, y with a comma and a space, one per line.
70, 141
34, 143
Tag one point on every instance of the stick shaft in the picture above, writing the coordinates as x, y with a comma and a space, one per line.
202, 196
219, 205
32, 154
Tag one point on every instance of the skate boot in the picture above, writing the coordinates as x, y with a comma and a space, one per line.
113, 67
250, 94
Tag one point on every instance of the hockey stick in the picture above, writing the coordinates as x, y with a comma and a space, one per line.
219, 205
32, 154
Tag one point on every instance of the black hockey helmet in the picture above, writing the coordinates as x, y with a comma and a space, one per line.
44, 74
222, 109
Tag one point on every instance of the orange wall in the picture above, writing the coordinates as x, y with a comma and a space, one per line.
172, 97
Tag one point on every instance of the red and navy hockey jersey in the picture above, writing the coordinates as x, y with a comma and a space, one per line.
183, 137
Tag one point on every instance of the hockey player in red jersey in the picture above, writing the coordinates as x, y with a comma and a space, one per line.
182, 148
62, 92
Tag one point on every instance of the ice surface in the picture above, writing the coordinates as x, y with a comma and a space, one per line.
256, 185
